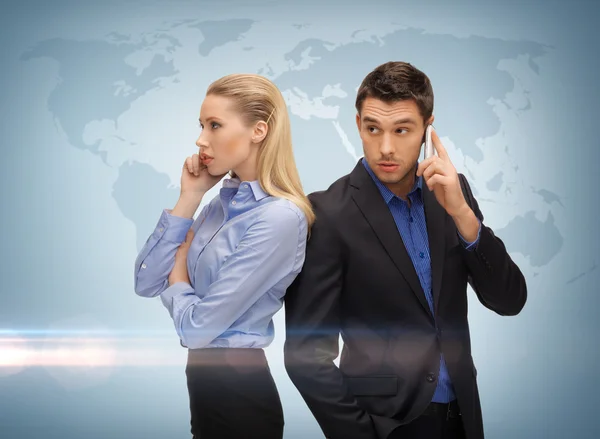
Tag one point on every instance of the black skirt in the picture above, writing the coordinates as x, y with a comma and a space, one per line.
232, 395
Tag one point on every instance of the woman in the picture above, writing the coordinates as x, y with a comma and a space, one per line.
223, 276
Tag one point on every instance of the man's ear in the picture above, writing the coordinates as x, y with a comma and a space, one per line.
428, 122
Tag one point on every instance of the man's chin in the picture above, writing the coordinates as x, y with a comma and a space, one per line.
389, 178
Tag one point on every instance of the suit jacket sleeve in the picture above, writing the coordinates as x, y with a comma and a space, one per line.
312, 310
495, 278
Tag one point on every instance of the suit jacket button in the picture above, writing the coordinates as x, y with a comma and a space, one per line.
430, 378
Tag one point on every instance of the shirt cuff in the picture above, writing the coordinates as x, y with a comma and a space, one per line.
173, 228
470, 245
176, 289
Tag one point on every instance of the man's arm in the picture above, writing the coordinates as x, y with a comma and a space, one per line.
312, 310
495, 278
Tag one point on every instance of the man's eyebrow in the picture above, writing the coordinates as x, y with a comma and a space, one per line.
404, 120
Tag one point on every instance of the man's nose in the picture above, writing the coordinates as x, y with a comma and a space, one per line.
386, 147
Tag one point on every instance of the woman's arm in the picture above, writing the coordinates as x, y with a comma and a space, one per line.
270, 253
157, 258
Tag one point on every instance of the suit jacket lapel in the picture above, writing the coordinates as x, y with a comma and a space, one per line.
370, 202
435, 217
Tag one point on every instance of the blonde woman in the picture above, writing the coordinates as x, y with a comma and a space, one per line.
224, 275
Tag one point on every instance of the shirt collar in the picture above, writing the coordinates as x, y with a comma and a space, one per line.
257, 190
387, 194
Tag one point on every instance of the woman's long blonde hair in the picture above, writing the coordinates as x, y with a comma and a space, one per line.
257, 98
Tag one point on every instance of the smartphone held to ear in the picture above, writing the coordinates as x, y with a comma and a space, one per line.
428, 142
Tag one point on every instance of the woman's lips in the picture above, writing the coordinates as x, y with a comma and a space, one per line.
206, 159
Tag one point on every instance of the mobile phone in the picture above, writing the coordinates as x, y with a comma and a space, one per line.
428, 143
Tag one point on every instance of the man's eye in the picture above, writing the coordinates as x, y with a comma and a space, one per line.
214, 125
373, 129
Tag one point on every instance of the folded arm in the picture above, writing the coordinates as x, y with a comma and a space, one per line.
266, 255
157, 258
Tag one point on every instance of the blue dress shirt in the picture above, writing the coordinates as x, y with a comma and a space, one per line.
247, 249
412, 226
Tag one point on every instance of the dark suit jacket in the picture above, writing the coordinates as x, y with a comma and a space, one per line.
358, 280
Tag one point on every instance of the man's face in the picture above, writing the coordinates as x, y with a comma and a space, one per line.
392, 135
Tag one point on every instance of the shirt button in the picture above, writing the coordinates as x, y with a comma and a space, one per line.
422, 255
233, 202
161, 229
430, 378
143, 265
245, 186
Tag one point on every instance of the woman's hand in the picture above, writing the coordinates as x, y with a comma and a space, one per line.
195, 182
195, 179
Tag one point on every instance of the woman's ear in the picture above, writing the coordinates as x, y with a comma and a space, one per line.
260, 131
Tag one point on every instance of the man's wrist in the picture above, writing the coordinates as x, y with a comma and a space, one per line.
467, 223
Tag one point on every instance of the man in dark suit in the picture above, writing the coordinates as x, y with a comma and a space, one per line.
394, 245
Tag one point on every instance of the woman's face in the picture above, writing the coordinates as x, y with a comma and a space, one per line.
225, 141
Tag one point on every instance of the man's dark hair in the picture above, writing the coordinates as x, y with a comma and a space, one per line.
397, 81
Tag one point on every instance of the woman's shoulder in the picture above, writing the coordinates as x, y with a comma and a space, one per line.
283, 212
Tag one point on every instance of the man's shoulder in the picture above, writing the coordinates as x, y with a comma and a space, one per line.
334, 197
330, 206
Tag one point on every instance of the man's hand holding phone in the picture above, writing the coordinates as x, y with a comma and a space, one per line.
428, 142
441, 177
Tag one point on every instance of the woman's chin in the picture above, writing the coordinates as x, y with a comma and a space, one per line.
215, 171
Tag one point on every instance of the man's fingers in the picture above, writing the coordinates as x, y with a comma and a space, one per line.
433, 165
429, 172
437, 179
437, 167
439, 147
424, 165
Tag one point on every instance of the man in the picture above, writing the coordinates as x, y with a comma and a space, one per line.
394, 245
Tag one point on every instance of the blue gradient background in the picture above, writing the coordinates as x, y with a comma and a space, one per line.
98, 102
